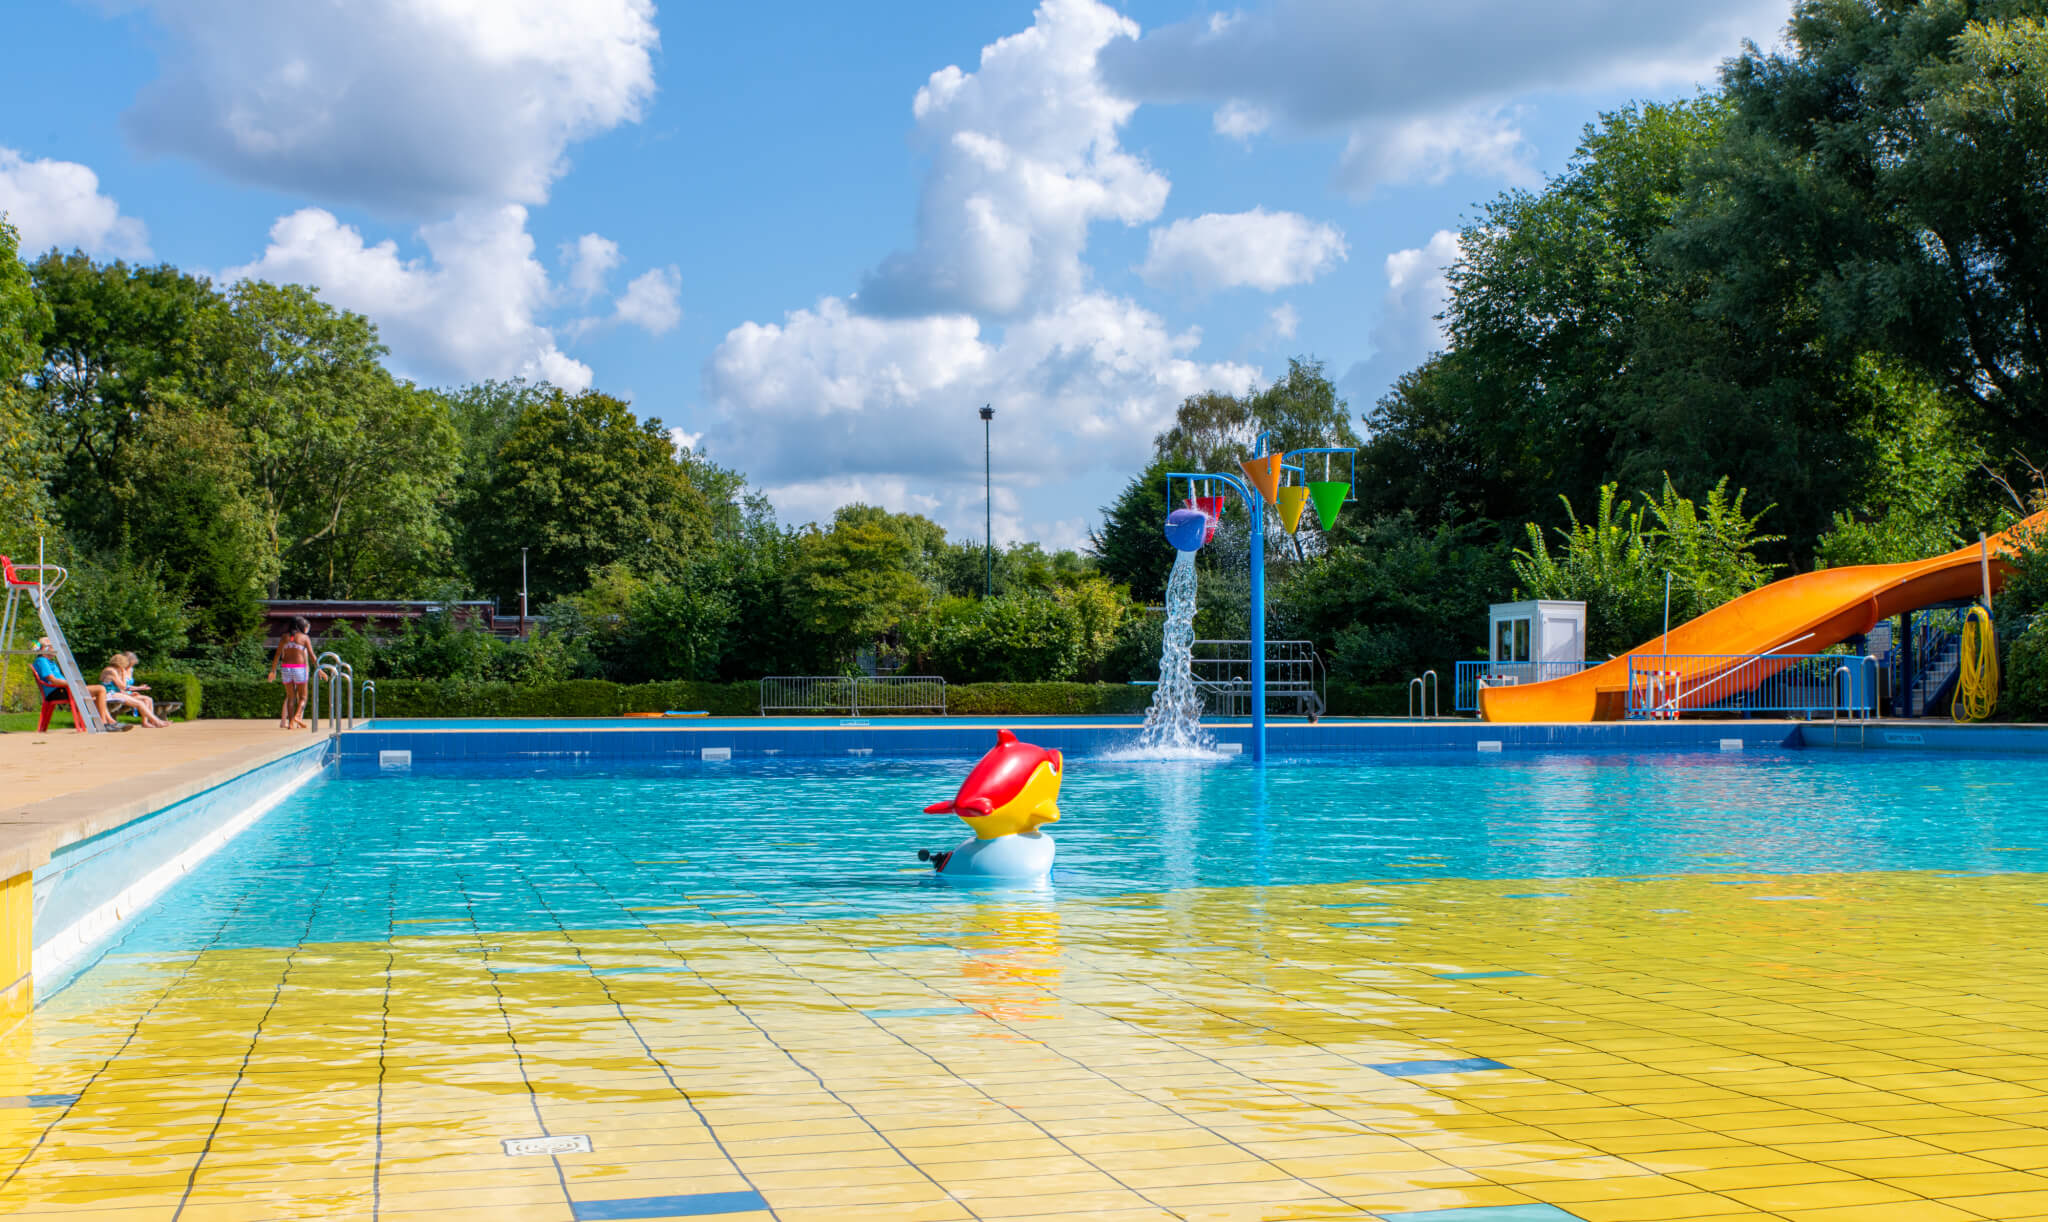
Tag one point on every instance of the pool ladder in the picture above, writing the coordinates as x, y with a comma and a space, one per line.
341, 682
1425, 695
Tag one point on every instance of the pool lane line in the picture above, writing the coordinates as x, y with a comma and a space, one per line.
647, 1049
134, 1032
255, 1038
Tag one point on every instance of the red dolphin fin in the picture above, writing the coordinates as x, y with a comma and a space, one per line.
940, 808
1004, 738
978, 805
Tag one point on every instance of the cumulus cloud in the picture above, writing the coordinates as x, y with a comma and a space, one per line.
466, 310
1425, 75
1024, 159
58, 203
830, 392
1430, 149
653, 300
586, 262
412, 108
1256, 249
1408, 330
875, 397
1283, 320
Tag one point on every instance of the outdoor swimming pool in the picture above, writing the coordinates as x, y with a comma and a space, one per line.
1612, 986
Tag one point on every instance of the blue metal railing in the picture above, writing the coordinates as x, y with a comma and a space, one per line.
1471, 675
1664, 685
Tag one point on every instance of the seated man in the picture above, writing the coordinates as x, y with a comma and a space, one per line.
50, 677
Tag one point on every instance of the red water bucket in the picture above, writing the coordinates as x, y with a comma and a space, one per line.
1212, 506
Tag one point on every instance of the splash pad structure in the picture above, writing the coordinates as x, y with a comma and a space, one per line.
1262, 481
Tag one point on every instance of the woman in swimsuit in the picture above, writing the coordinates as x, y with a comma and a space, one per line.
294, 662
116, 679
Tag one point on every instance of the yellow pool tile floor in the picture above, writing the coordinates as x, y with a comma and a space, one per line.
1835, 1048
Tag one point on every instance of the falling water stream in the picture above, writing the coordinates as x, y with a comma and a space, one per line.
1173, 725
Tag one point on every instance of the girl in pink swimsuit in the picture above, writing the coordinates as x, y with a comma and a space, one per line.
293, 665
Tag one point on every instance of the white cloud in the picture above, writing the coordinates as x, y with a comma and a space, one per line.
830, 396
1240, 120
1283, 320
876, 397
417, 107
1256, 249
58, 203
1024, 158
1418, 288
1408, 330
652, 300
587, 261
684, 440
467, 310
1425, 79
1485, 143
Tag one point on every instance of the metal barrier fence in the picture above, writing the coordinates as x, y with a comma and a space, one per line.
1664, 686
1295, 680
853, 695
1472, 676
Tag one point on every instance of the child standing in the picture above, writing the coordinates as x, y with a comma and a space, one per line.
293, 666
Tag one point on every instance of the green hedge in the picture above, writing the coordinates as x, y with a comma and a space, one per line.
167, 686
250, 698
1371, 699
1044, 699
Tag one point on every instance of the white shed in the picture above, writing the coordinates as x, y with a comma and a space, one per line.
1527, 639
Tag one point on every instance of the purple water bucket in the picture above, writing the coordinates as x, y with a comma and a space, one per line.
1187, 529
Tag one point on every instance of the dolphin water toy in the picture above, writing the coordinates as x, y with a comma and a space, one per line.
1011, 793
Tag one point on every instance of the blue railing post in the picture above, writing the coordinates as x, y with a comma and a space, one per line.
1258, 513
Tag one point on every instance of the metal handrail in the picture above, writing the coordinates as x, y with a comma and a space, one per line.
1427, 694
370, 700
340, 677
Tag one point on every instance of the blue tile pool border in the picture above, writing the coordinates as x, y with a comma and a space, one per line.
612, 740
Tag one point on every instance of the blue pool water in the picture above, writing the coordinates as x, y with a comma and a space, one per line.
363, 855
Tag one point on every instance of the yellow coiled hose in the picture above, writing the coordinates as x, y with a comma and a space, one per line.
1977, 681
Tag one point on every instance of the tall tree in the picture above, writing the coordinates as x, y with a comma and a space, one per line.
25, 509
1212, 431
1128, 546
1886, 171
581, 483
347, 465
853, 584
121, 345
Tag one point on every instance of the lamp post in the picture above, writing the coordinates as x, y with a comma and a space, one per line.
988, 528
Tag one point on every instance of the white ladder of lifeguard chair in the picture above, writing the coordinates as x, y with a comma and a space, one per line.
82, 710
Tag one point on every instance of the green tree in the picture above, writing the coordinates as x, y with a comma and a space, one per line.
1212, 431
852, 585
1129, 546
25, 508
581, 483
1014, 638
121, 345
1616, 561
1885, 174
347, 466
189, 511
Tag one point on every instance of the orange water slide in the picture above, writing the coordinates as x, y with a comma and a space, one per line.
1799, 615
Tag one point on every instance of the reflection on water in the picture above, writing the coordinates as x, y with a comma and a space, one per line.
366, 857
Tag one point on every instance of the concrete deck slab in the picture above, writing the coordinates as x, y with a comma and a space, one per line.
61, 787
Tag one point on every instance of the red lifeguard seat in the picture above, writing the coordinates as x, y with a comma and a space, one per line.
54, 698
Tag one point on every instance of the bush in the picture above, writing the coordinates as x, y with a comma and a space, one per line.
2023, 694
1370, 699
1009, 639
168, 686
249, 698
1044, 699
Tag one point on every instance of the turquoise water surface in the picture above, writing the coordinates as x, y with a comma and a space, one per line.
363, 855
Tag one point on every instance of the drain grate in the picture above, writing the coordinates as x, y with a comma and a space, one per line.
527, 1147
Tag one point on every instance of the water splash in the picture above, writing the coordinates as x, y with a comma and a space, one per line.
1173, 725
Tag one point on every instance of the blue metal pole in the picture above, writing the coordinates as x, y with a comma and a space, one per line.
1258, 513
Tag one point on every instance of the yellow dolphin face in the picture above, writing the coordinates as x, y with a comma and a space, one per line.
1034, 806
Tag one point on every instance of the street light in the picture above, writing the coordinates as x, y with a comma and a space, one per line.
988, 528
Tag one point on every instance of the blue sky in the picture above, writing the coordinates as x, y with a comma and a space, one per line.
814, 238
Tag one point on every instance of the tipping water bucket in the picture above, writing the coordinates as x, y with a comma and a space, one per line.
1292, 500
1328, 496
1212, 506
1188, 529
